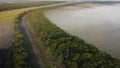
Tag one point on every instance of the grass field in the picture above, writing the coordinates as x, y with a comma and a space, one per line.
8, 16
7, 23
18, 5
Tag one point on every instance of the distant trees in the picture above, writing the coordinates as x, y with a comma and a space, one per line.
11, 6
69, 50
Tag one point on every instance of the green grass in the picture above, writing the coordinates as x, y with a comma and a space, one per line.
18, 5
8, 16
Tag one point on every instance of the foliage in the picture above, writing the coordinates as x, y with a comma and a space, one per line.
69, 50
8, 16
23, 55
20, 53
15, 55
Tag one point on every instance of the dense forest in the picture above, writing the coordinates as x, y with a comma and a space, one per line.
69, 50
11, 6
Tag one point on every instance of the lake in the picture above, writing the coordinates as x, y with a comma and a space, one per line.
98, 25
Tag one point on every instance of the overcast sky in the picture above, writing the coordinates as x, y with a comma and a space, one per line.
54, 0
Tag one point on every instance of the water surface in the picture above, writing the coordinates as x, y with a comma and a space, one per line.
98, 25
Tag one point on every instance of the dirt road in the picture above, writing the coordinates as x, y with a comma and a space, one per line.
6, 33
34, 39
30, 34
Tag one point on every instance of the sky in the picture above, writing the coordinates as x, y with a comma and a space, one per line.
53, 0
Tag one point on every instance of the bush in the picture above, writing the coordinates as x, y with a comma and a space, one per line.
69, 50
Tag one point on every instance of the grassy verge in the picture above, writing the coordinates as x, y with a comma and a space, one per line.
9, 16
22, 52
66, 50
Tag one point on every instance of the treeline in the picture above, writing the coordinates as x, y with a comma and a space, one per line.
103, 2
70, 51
11, 6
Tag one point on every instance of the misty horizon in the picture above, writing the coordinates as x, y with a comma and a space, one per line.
51, 0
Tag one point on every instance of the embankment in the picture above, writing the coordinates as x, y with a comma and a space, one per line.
63, 48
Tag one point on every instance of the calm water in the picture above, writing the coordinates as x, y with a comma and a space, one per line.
99, 25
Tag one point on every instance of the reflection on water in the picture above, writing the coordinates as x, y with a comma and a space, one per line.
99, 25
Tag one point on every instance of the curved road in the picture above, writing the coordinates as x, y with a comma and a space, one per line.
6, 30
6, 36
30, 34
34, 39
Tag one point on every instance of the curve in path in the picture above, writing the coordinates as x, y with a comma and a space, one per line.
29, 33
33, 38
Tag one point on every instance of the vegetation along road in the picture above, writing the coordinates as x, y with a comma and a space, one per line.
21, 54
40, 43
33, 39
7, 23
66, 50
38, 47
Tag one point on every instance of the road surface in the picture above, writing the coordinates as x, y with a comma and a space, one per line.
30, 34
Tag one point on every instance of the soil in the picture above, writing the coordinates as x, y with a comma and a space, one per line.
30, 33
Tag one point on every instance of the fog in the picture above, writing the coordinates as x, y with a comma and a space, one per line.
99, 25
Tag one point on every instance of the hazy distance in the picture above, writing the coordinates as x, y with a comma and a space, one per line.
51, 0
